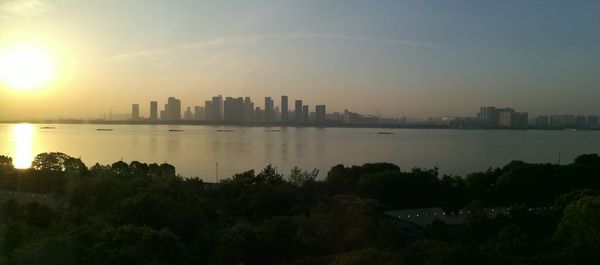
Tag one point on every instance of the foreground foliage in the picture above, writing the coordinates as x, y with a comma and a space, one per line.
137, 213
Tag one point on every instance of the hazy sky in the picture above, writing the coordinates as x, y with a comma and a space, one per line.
402, 58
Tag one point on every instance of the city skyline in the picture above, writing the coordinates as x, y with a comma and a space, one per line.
399, 58
241, 110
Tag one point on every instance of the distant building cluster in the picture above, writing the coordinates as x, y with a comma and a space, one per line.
244, 110
503, 118
493, 117
558, 121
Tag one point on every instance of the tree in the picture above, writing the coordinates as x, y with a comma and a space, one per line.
579, 229
300, 178
56, 161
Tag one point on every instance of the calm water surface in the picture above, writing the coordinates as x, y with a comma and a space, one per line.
196, 150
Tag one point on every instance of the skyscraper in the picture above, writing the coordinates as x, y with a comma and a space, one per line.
217, 108
198, 113
305, 113
233, 109
269, 110
284, 108
248, 110
188, 115
208, 110
298, 110
153, 110
173, 109
320, 113
135, 111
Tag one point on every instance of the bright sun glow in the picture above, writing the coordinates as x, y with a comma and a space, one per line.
26, 67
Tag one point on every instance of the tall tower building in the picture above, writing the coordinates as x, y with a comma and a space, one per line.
269, 110
135, 111
284, 108
153, 110
320, 113
305, 113
248, 110
217, 108
208, 110
298, 110
198, 113
173, 109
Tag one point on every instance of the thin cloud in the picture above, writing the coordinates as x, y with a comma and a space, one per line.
27, 8
221, 42
358, 38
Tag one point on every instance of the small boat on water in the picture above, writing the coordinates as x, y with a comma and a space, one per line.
225, 131
47, 127
272, 130
385, 133
175, 130
104, 129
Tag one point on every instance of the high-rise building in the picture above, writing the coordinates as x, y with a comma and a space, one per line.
592, 121
284, 109
248, 110
277, 114
198, 113
217, 108
188, 115
489, 116
506, 118
305, 113
208, 108
269, 109
259, 114
320, 113
135, 111
298, 110
563, 120
541, 121
153, 110
173, 109
234, 109
581, 120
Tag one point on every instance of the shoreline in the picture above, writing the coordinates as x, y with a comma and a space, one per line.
296, 125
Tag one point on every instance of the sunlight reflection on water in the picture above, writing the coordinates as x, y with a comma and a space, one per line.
23, 140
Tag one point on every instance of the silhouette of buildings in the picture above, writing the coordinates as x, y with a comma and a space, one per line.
188, 115
320, 113
355, 118
217, 108
503, 117
284, 108
562, 120
208, 110
592, 121
198, 113
305, 114
172, 110
153, 110
541, 121
135, 111
248, 110
269, 110
234, 109
298, 110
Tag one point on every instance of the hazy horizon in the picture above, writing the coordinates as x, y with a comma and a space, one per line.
401, 58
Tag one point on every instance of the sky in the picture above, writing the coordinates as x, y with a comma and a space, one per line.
399, 58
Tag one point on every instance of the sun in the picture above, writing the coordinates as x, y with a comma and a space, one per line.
26, 67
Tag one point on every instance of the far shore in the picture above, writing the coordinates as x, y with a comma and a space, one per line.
290, 124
